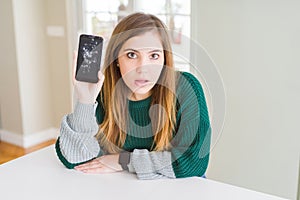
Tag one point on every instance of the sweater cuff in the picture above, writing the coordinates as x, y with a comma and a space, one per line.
130, 166
151, 165
63, 159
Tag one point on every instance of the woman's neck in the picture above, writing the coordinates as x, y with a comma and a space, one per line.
138, 97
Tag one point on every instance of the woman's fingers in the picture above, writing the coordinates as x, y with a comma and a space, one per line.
98, 170
74, 66
86, 92
101, 78
100, 83
94, 166
90, 164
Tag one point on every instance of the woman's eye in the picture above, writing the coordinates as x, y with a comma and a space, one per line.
155, 56
131, 55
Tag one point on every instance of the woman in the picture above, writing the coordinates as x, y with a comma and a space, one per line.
143, 116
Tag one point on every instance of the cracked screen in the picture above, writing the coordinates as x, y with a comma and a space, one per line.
89, 58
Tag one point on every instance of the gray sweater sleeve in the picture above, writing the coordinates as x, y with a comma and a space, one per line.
151, 165
77, 141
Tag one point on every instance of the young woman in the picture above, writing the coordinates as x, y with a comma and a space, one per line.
144, 116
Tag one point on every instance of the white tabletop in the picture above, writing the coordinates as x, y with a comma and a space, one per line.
40, 175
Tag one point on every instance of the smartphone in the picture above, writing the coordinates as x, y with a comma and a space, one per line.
89, 58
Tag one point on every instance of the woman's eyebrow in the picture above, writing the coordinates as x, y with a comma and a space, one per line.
135, 50
155, 50
130, 49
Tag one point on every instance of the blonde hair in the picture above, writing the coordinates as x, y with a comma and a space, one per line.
112, 131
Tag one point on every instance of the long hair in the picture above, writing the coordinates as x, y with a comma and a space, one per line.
113, 130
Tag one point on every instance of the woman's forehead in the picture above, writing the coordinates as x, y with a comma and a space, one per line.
149, 40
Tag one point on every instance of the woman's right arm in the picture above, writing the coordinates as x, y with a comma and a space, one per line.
77, 143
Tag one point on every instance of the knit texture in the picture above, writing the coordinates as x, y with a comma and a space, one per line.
151, 165
188, 156
76, 135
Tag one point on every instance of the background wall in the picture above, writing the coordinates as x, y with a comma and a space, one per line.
10, 105
256, 46
59, 59
35, 70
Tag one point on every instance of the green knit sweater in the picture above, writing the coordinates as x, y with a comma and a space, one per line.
191, 138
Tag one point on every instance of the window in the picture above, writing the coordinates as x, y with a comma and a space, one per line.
101, 16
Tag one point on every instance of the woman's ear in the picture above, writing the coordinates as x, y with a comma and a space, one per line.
117, 63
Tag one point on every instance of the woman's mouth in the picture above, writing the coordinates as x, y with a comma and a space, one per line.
141, 83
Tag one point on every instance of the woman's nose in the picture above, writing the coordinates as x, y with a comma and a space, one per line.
144, 62
141, 69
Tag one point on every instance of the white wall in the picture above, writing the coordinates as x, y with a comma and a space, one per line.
10, 107
33, 68
256, 45
58, 57
35, 75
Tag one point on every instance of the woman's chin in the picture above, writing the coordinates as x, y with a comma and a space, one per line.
141, 93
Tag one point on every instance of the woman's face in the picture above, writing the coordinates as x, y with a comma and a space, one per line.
141, 60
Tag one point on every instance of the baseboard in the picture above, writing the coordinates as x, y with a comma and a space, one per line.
10, 137
26, 141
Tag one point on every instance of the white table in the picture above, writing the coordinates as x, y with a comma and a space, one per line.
40, 175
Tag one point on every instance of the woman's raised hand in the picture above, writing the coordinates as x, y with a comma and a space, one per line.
86, 92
